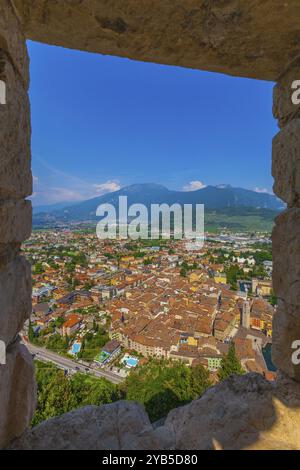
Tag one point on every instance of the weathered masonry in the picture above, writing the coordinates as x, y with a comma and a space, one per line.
247, 38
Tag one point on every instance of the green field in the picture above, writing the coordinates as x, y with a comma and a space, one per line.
236, 220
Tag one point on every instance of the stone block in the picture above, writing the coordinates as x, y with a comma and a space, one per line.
15, 221
12, 40
117, 426
8, 251
15, 297
286, 256
283, 107
17, 393
15, 133
243, 412
286, 332
286, 163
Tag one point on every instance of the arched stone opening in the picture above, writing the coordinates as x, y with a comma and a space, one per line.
235, 37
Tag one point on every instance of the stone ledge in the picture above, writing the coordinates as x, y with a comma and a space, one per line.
253, 39
12, 40
242, 412
120, 425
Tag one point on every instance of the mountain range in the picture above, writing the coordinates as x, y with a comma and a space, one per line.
222, 199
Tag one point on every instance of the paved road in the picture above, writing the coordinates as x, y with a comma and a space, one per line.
65, 363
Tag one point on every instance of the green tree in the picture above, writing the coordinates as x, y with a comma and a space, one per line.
38, 268
58, 393
54, 393
233, 273
273, 299
89, 391
92, 344
58, 343
199, 381
230, 364
160, 386
59, 322
183, 272
70, 267
30, 332
88, 285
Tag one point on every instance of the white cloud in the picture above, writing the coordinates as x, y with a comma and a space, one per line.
78, 191
262, 190
58, 186
107, 187
193, 186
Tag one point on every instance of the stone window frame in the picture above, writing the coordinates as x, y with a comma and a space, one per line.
112, 31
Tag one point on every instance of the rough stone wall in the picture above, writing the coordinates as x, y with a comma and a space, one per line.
17, 385
286, 234
244, 412
252, 38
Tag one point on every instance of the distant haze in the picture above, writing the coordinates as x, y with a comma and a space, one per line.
213, 197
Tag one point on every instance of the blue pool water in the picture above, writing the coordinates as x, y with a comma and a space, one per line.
132, 362
267, 353
76, 348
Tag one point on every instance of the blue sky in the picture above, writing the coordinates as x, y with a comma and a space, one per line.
101, 122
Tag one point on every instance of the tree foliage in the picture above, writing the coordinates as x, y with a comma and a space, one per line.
162, 385
230, 364
92, 343
58, 393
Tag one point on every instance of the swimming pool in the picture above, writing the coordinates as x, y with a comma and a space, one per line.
130, 361
75, 348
